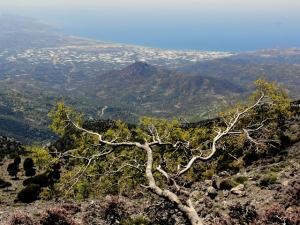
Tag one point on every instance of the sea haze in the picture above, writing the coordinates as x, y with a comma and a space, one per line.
180, 30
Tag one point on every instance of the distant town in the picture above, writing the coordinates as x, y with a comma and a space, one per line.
115, 56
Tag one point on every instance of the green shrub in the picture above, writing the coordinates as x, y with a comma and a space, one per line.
276, 168
240, 179
30, 193
207, 175
227, 184
137, 221
46, 194
273, 179
41, 179
267, 179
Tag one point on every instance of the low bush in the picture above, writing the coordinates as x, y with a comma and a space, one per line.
13, 169
17, 160
46, 194
273, 179
111, 210
30, 193
40, 179
55, 174
137, 221
5, 184
28, 163
56, 216
30, 172
27, 181
264, 181
277, 214
71, 208
240, 179
20, 218
267, 179
290, 195
227, 184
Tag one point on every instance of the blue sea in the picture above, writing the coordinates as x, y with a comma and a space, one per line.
181, 30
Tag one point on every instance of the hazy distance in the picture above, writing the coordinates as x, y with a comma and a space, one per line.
215, 25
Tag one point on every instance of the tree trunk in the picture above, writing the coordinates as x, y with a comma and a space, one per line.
189, 210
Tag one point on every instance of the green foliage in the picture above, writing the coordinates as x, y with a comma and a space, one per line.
227, 184
136, 221
46, 194
224, 160
276, 168
41, 158
278, 95
240, 179
273, 178
30, 193
83, 190
60, 118
207, 175
264, 181
41, 180
121, 169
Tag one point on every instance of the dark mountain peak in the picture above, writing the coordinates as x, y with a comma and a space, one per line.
137, 69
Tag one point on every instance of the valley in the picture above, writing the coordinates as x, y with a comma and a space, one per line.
39, 67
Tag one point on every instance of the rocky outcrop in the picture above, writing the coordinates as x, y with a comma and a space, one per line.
10, 145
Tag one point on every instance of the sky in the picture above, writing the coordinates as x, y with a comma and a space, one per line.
241, 5
210, 24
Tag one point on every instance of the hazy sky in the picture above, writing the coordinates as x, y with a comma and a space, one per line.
190, 22
223, 5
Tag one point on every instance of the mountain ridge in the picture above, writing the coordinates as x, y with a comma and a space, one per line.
160, 89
